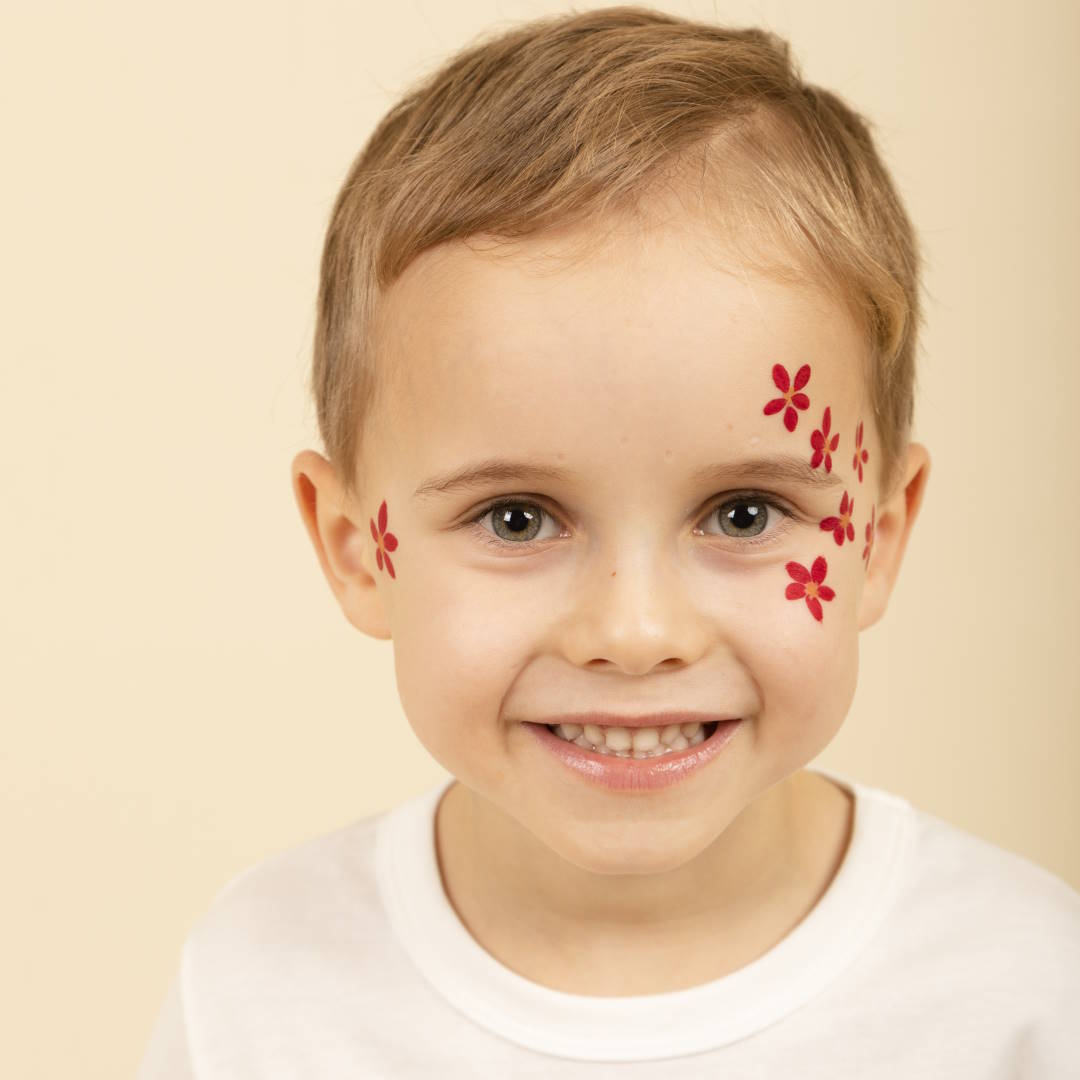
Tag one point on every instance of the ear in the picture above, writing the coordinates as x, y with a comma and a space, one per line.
895, 516
341, 539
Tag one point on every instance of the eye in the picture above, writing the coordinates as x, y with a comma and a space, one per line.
517, 522
745, 517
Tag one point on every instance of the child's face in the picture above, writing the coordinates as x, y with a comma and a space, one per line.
631, 585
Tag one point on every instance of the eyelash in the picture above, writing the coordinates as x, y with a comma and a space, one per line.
497, 542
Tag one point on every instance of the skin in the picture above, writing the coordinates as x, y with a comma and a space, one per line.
648, 359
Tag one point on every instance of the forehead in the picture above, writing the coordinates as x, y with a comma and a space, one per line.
656, 335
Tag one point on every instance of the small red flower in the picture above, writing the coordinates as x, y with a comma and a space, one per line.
386, 541
841, 525
791, 400
824, 448
869, 537
808, 584
861, 455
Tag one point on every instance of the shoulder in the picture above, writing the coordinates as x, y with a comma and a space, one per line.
287, 909
977, 896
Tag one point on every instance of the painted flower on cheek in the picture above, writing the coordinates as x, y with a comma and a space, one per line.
841, 526
869, 537
861, 455
385, 541
824, 447
791, 400
809, 584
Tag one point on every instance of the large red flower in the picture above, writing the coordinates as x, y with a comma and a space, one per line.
808, 583
824, 447
861, 455
869, 537
791, 399
841, 526
386, 541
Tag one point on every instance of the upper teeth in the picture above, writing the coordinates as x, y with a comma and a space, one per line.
636, 742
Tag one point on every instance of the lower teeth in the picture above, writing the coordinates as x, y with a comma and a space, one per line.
682, 742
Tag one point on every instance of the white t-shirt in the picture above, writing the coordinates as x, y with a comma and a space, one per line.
932, 954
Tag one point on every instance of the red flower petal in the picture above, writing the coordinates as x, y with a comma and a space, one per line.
378, 557
791, 418
374, 531
835, 441
800, 401
814, 606
828, 462
774, 406
815, 461
825, 592
390, 567
818, 570
802, 376
850, 531
795, 590
389, 541
798, 571
844, 504
780, 377
382, 517
826, 420
829, 523
817, 440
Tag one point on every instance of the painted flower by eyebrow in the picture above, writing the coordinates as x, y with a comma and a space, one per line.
841, 526
869, 537
791, 399
386, 541
824, 447
861, 455
808, 584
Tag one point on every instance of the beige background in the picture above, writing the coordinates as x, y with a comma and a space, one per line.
181, 695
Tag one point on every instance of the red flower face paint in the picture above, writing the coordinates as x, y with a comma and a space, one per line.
824, 447
861, 455
808, 584
841, 526
791, 399
385, 541
869, 537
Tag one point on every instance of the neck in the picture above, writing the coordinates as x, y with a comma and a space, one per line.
569, 928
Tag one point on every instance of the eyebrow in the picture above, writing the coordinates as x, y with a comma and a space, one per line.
783, 467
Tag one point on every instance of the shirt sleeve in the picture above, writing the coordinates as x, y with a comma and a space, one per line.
166, 1056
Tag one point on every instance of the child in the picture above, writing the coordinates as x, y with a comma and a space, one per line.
614, 366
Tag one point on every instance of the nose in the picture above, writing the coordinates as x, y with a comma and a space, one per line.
635, 611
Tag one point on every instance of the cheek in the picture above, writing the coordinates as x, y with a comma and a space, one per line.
805, 669
456, 649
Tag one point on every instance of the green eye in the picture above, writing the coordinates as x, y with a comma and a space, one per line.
744, 517
512, 523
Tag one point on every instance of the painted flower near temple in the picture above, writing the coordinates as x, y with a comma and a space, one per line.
841, 526
793, 398
385, 541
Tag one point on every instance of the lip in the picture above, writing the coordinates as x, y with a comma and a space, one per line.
644, 720
630, 774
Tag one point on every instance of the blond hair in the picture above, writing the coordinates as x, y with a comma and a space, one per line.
557, 120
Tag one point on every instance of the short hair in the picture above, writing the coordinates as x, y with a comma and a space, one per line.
557, 120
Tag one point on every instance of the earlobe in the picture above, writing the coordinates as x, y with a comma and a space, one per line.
893, 522
339, 535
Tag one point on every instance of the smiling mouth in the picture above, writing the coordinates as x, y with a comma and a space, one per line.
638, 742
